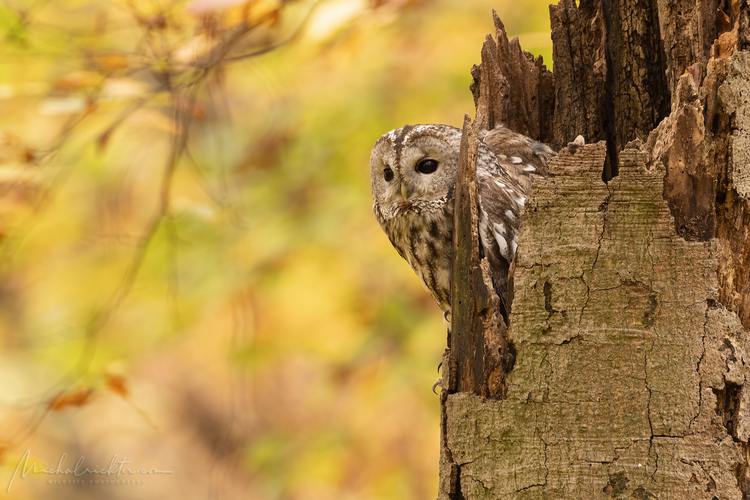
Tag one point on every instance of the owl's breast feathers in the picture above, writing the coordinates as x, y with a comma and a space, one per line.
422, 233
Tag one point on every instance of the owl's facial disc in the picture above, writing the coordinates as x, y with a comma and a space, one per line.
413, 170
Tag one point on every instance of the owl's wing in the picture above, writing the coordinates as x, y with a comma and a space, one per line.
501, 199
521, 156
503, 188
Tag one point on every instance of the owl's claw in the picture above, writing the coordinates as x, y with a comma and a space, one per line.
438, 383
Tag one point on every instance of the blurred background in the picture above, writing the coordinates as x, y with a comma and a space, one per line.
191, 278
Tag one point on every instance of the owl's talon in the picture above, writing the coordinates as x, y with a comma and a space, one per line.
446, 315
438, 383
440, 365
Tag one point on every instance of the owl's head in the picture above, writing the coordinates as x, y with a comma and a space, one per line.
413, 169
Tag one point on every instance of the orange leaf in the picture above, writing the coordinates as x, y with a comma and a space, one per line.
198, 113
103, 139
13, 149
116, 384
28, 155
157, 22
78, 80
111, 61
76, 397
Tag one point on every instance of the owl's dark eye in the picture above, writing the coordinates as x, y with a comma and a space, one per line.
427, 166
388, 174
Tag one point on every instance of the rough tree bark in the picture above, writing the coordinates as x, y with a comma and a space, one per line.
623, 370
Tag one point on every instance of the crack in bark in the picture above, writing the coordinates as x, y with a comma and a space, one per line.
485, 488
586, 303
698, 371
527, 488
648, 252
617, 450
605, 208
546, 468
648, 408
546, 471
454, 486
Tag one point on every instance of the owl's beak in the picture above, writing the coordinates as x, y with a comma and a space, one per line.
404, 192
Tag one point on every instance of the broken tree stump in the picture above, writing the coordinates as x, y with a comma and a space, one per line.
629, 325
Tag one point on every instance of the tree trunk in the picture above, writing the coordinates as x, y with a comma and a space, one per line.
622, 370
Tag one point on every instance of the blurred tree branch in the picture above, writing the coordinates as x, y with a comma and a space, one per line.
175, 55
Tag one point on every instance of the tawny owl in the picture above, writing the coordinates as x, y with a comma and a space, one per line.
413, 173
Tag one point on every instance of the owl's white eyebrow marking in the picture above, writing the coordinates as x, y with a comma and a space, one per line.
529, 168
392, 137
515, 159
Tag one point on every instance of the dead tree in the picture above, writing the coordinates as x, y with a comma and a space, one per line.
623, 369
